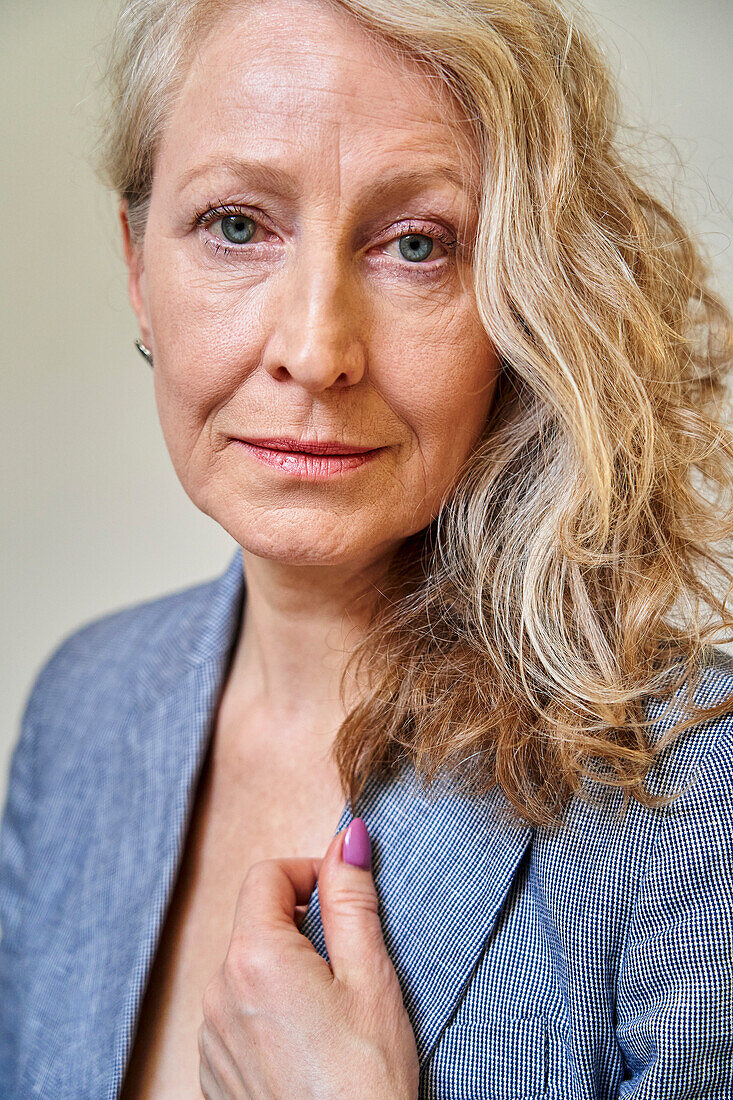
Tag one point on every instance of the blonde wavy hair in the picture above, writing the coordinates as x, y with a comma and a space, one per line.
574, 570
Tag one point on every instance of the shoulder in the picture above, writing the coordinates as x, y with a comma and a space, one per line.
136, 654
90, 687
105, 652
674, 982
696, 768
110, 665
695, 754
616, 853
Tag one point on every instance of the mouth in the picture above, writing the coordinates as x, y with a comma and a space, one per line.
307, 446
308, 460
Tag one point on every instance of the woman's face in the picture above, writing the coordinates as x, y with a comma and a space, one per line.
293, 284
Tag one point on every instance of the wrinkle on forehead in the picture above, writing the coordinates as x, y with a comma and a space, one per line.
335, 67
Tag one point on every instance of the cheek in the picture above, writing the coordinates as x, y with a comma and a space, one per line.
201, 323
442, 385
204, 351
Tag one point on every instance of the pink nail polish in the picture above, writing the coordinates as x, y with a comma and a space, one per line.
357, 847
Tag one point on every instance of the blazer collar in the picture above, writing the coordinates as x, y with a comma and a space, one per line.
195, 627
443, 861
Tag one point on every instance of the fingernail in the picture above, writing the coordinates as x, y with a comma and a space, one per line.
357, 847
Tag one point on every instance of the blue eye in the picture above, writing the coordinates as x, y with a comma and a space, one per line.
416, 246
238, 228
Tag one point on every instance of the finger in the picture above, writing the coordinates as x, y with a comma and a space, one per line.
350, 910
210, 1084
272, 890
215, 1059
215, 1084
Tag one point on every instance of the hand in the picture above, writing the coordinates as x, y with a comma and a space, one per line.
279, 1022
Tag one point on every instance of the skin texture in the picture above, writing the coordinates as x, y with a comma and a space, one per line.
318, 328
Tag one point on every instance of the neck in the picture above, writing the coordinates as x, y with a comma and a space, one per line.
300, 625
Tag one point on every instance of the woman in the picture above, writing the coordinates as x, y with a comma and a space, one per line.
430, 353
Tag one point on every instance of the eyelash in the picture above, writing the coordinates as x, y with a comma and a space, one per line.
443, 236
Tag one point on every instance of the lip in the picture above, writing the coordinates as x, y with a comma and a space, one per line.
308, 465
306, 446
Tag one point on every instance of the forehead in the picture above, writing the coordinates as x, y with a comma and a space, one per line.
297, 80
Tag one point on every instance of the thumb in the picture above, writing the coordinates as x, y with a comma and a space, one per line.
350, 907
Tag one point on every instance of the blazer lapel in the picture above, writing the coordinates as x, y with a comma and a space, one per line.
179, 697
443, 862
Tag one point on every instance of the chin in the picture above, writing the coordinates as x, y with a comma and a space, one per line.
295, 541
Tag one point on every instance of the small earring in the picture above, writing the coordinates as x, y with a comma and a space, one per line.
145, 352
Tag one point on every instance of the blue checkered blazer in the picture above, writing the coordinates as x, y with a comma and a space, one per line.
589, 962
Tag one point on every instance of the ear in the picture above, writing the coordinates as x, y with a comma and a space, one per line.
135, 276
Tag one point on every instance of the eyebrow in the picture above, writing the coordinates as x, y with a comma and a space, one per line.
281, 183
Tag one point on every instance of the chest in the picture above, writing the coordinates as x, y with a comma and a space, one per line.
250, 805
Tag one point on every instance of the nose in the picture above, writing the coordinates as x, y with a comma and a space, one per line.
315, 338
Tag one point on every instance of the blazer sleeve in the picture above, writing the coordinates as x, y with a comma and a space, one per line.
674, 1004
20, 826
15, 844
